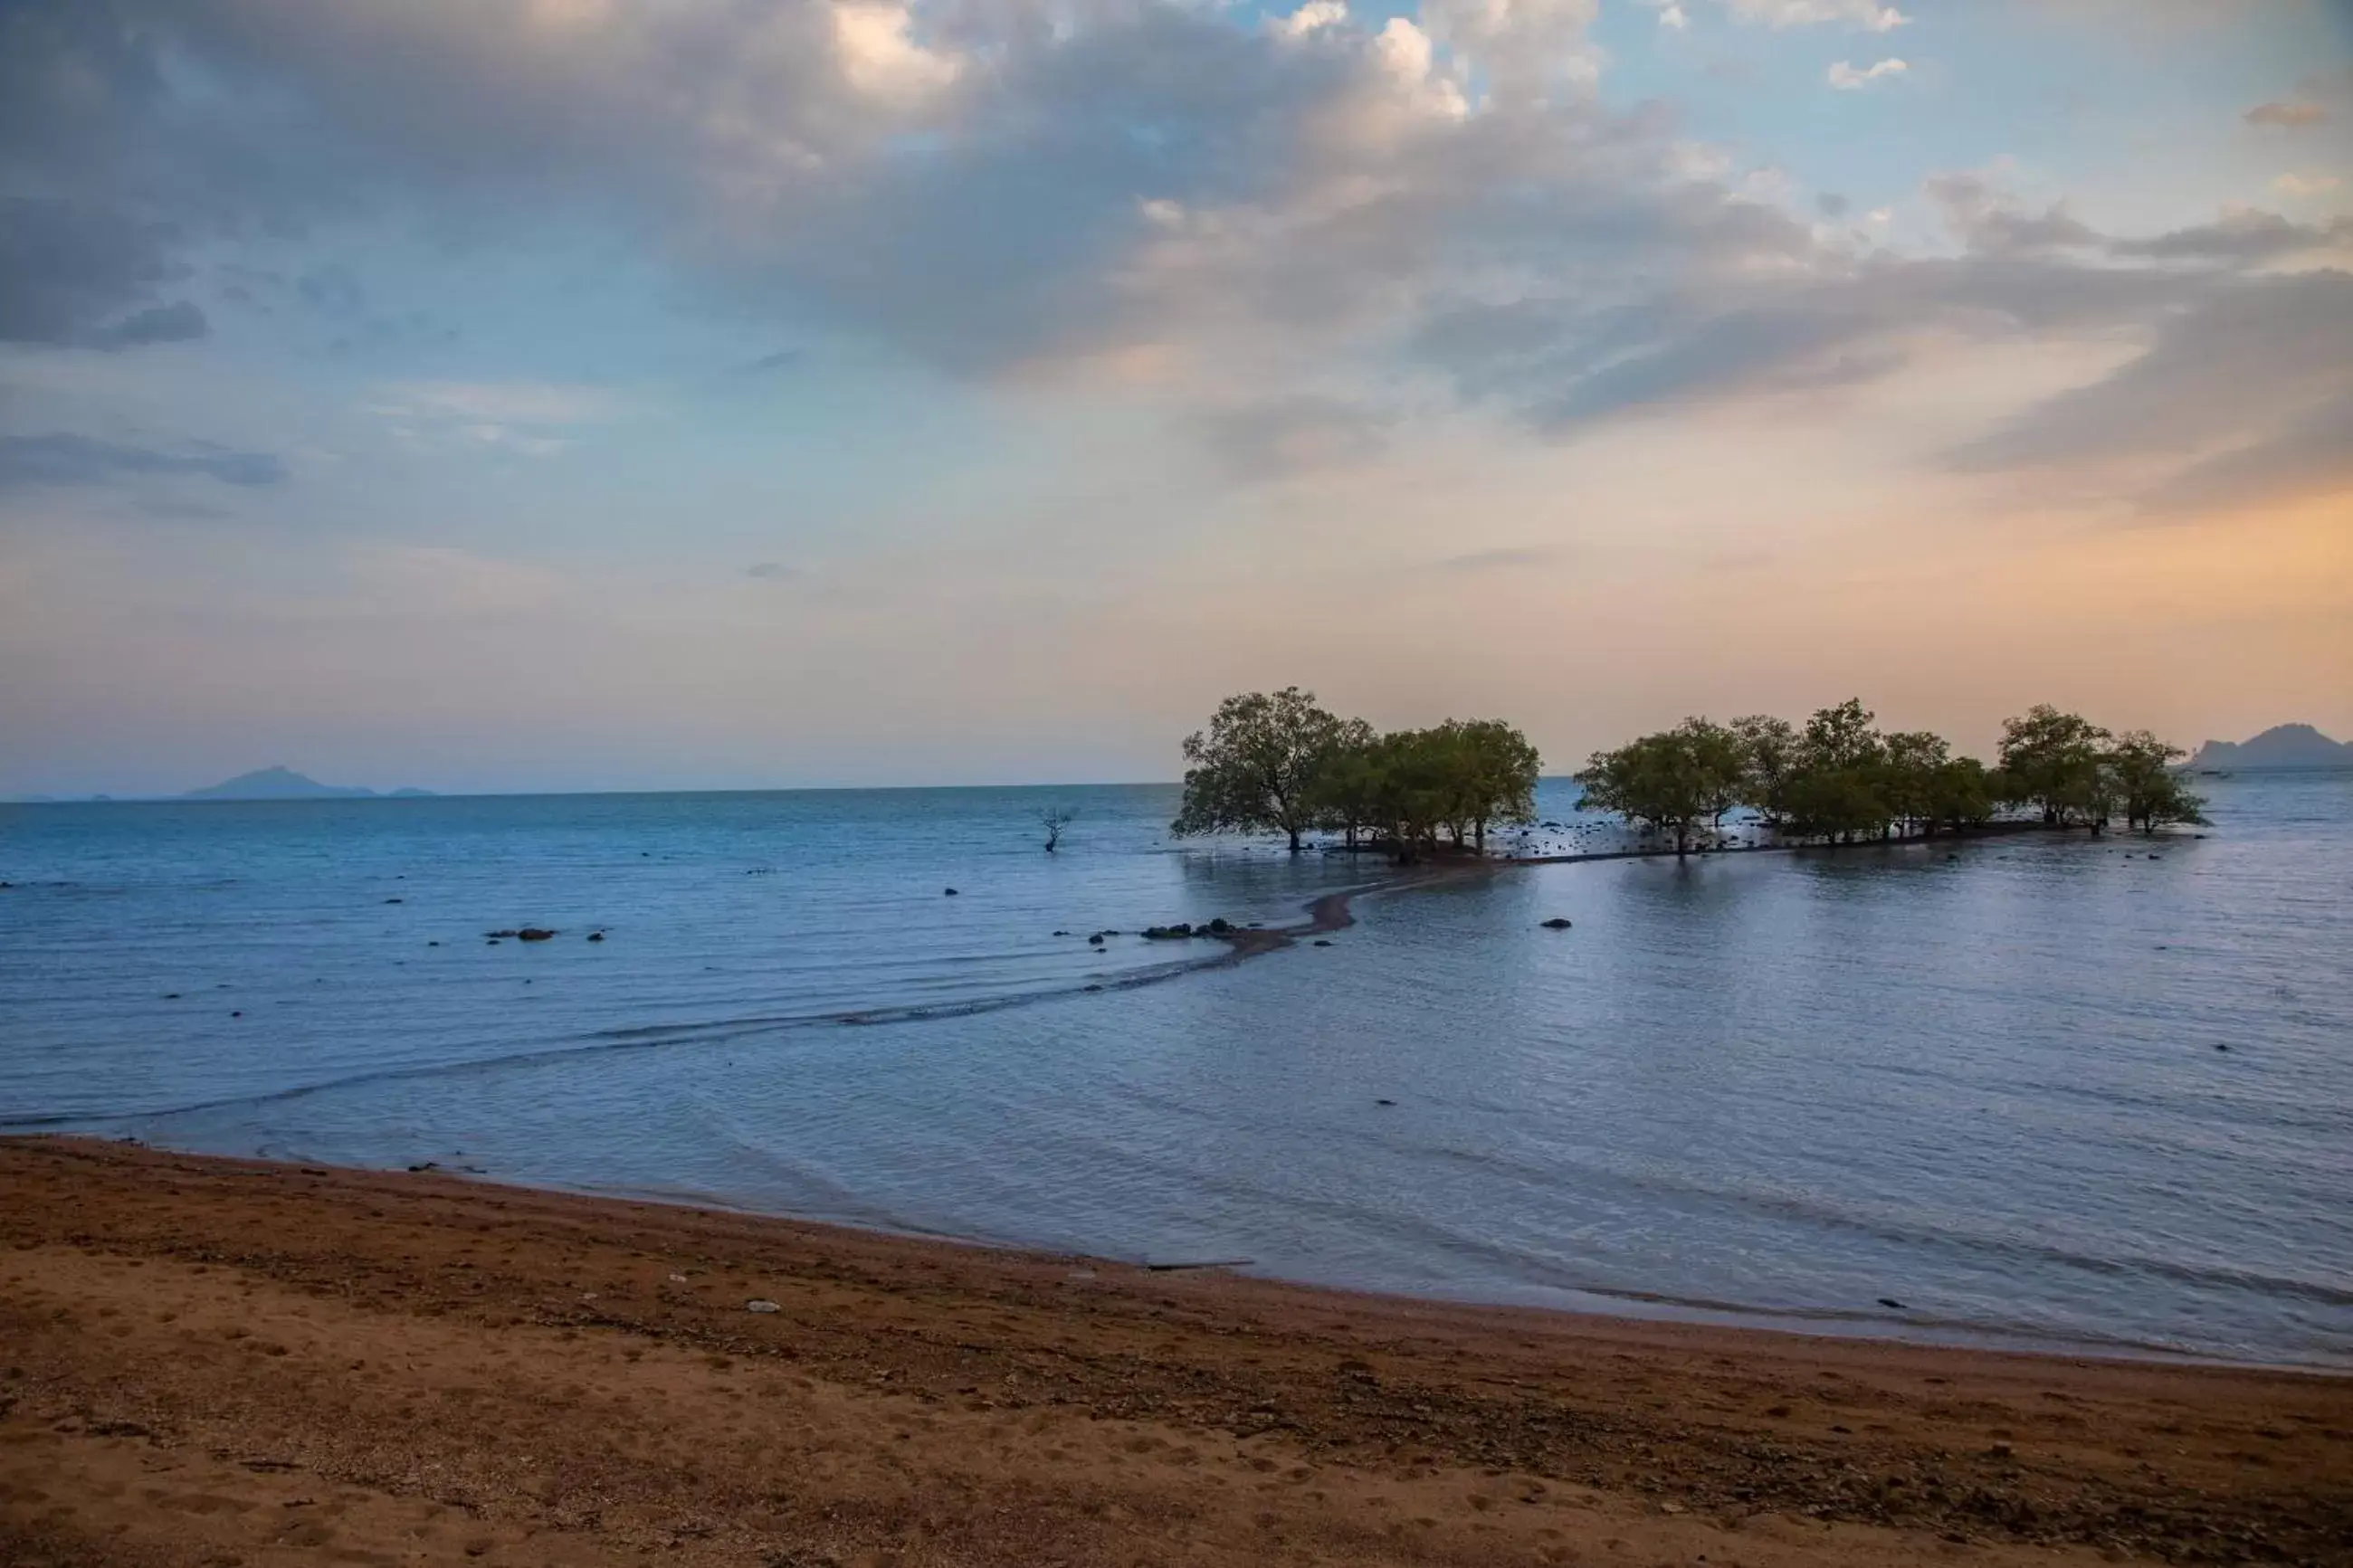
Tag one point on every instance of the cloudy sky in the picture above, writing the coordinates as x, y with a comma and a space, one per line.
521, 393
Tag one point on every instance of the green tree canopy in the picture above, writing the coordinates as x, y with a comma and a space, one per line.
1672, 781
2141, 768
1770, 759
2052, 760
1840, 778
1254, 769
1839, 788
1492, 769
1277, 760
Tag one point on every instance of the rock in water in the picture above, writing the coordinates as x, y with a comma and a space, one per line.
534, 933
1892, 1304
948, 893
1557, 923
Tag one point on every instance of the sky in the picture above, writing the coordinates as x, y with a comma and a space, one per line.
516, 394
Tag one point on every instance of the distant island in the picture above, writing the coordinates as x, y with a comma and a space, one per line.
2281, 746
281, 783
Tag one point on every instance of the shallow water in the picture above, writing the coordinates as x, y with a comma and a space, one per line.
1982, 1081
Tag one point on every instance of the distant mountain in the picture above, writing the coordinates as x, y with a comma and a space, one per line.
285, 783
2281, 746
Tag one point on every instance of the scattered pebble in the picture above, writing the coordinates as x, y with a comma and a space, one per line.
762, 1306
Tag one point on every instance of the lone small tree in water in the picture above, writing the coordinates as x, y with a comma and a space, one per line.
1053, 819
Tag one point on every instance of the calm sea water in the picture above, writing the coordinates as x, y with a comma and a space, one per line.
1984, 1082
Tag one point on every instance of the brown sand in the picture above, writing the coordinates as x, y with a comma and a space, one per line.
207, 1362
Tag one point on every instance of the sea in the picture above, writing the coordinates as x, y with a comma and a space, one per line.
2083, 1095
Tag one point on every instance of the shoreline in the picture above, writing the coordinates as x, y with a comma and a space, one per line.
285, 1338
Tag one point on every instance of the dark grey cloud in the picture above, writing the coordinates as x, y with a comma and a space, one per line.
2243, 239
1984, 221
334, 290
1129, 174
1276, 437
64, 460
2312, 456
2240, 363
75, 274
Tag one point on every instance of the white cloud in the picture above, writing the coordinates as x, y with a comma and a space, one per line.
503, 402
1847, 77
2307, 185
1868, 14
1314, 16
879, 55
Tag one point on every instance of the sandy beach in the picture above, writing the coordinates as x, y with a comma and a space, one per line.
214, 1362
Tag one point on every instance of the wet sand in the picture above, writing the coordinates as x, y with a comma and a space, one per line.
210, 1362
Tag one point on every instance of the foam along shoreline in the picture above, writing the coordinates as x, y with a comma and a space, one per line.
213, 1357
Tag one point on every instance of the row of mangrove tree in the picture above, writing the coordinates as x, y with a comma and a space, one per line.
1840, 778
1280, 762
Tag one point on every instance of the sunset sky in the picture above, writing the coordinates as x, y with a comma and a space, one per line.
580, 394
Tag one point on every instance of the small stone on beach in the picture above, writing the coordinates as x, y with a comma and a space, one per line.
761, 1307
